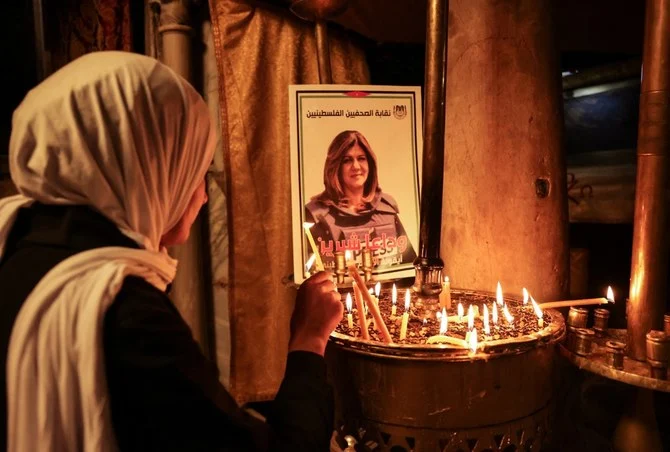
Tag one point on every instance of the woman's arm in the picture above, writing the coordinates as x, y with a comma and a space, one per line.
165, 395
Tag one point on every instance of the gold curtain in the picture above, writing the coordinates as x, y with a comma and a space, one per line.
259, 52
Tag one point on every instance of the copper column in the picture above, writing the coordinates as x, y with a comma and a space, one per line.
428, 264
649, 269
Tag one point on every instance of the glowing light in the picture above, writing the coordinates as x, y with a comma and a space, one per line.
444, 322
348, 302
407, 300
460, 312
525, 296
487, 329
394, 295
499, 294
471, 318
610, 294
494, 314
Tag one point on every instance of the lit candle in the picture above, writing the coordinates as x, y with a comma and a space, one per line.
487, 330
362, 321
376, 301
460, 312
471, 318
538, 313
445, 295
350, 318
309, 264
525, 296
394, 299
569, 303
508, 315
307, 226
405, 316
499, 294
378, 289
472, 342
444, 322
494, 314
610, 294
379, 322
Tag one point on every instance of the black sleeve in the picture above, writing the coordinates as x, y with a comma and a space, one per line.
165, 395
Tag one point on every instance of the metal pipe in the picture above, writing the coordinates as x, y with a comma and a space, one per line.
428, 264
43, 55
323, 52
649, 268
189, 292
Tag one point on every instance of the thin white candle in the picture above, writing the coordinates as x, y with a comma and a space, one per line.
499, 294
487, 329
405, 316
494, 314
444, 322
472, 342
394, 299
307, 226
350, 319
538, 313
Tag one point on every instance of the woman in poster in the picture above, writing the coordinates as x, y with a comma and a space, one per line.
353, 212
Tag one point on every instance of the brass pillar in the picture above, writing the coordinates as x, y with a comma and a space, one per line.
428, 263
649, 268
189, 289
505, 214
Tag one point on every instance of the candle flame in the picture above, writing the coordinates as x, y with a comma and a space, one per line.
307, 225
407, 300
444, 322
610, 294
394, 295
471, 318
536, 308
310, 262
378, 289
487, 329
446, 280
460, 311
507, 314
370, 291
525, 296
494, 314
499, 294
347, 256
348, 302
473, 341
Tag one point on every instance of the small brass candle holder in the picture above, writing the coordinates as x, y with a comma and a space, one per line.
601, 317
666, 324
367, 264
581, 341
658, 351
615, 353
340, 267
578, 317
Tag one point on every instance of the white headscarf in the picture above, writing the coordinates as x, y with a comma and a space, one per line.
125, 135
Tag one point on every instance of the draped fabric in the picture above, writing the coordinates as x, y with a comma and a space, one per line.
85, 26
260, 51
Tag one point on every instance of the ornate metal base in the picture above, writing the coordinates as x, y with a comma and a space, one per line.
526, 434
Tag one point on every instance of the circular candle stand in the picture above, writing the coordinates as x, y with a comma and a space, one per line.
439, 397
605, 355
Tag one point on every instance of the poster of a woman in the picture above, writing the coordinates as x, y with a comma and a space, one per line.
354, 192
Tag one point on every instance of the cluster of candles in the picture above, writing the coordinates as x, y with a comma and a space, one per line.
367, 300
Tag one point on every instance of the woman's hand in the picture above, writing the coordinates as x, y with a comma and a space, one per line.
318, 310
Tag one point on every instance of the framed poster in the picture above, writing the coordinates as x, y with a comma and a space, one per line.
355, 175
